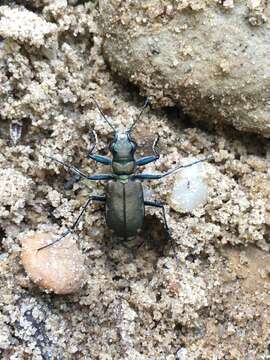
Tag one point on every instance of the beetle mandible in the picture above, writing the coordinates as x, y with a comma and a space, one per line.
124, 200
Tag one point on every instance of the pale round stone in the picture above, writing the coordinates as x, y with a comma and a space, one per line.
58, 268
190, 188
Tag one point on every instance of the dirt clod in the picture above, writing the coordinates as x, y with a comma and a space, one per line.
58, 268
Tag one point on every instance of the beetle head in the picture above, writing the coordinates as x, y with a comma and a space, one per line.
123, 147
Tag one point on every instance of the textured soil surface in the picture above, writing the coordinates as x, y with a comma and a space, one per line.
137, 302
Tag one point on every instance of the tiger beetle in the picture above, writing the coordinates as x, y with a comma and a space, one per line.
123, 198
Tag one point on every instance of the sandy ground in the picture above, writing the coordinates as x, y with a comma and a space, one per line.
137, 303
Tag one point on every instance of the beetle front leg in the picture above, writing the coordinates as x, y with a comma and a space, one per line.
101, 159
76, 222
148, 159
98, 158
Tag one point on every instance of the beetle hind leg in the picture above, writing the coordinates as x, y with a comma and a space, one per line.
76, 222
159, 205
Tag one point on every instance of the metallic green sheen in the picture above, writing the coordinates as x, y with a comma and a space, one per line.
124, 207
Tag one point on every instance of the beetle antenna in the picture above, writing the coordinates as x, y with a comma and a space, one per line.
142, 110
102, 114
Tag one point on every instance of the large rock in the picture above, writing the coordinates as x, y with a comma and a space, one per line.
211, 59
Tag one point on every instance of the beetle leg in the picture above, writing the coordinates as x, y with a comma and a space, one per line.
98, 158
76, 222
148, 159
170, 172
95, 143
101, 177
71, 168
81, 174
159, 204
101, 159
155, 145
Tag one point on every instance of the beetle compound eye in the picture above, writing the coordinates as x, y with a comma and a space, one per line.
132, 143
134, 147
111, 147
114, 148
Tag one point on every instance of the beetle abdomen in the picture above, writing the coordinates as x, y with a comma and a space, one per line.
124, 207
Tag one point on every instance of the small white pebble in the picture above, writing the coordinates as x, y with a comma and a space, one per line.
182, 354
15, 131
190, 188
228, 4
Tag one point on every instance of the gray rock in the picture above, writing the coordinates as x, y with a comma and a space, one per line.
211, 59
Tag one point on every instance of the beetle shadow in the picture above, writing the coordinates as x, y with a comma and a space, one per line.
155, 236
152, 243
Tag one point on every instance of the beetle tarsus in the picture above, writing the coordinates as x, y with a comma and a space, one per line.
170, 172
148, 159
72, 168
76, 222
56, 240
95, 143
159, 204
155, 146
